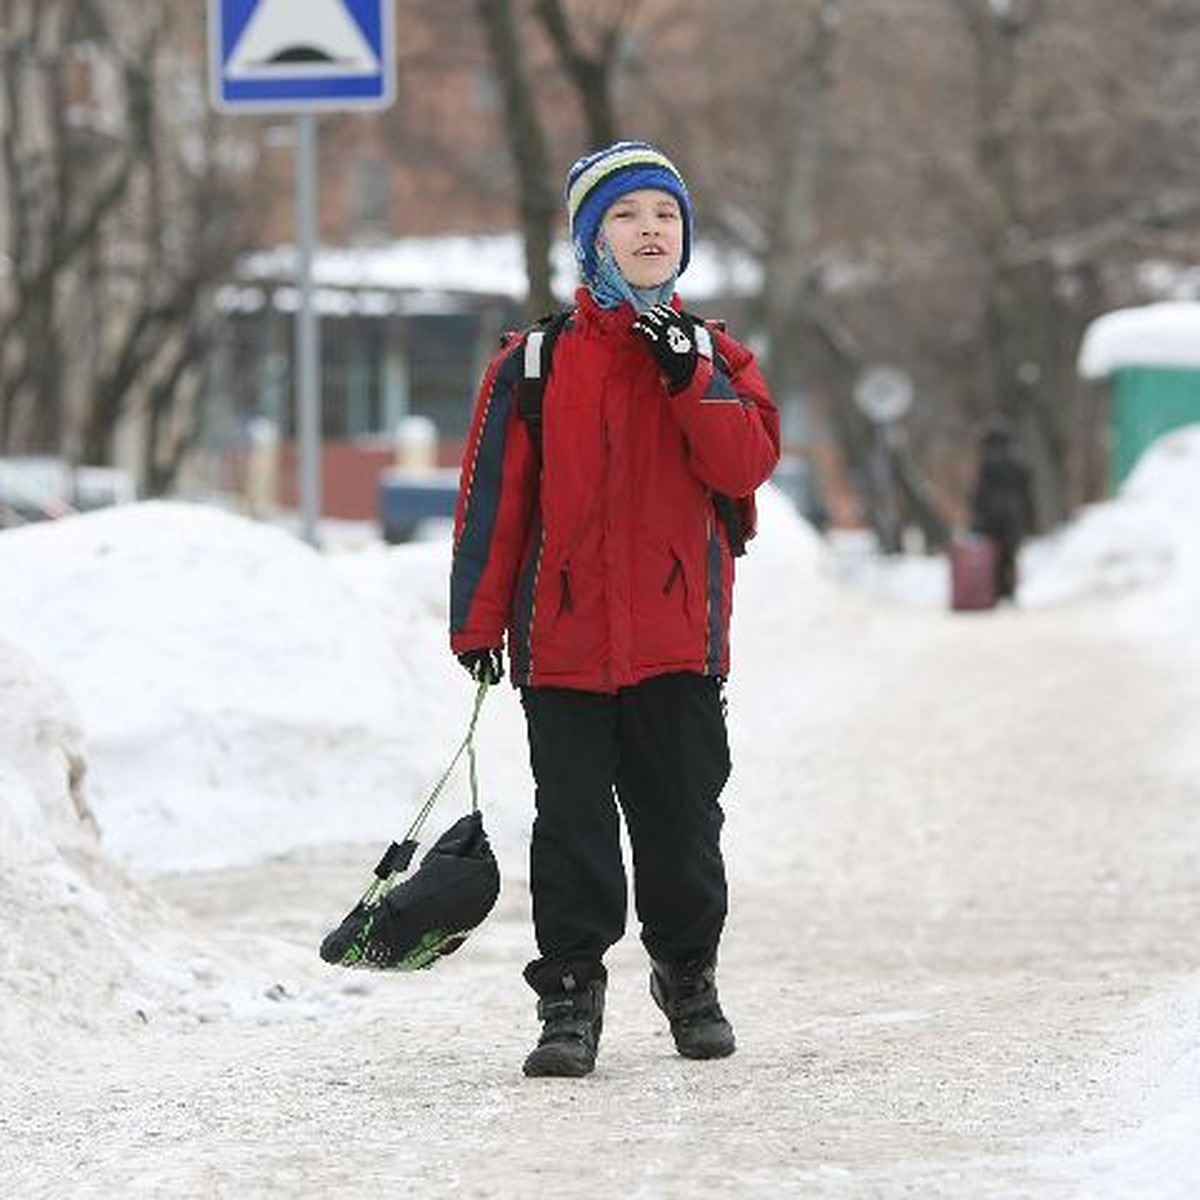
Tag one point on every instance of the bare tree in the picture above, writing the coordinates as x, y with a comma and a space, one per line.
49, 224
1054, 243
792, 212
120, 195
527, 145
179, 240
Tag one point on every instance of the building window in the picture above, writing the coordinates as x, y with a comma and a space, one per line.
442, 368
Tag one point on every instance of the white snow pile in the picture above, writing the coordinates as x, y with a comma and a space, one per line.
1146, 535
1166, 334
1155, 1080
78, 938
228, 681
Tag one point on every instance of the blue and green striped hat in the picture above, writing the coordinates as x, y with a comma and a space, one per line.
600, 178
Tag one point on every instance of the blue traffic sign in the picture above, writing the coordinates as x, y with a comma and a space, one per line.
300, 55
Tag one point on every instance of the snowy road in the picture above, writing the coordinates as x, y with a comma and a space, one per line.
968, 875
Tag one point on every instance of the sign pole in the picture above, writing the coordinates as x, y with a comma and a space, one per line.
884, 395
262, 55
308, 333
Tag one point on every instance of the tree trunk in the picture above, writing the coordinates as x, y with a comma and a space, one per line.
591, 75
792, 216
527, 147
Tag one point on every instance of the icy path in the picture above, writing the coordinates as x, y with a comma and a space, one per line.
963, 888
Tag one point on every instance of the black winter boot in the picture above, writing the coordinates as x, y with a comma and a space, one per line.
687, 994
571, 1009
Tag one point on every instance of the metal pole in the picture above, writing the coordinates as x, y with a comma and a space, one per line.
308, 334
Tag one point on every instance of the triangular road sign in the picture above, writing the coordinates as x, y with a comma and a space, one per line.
295, 38
301, 55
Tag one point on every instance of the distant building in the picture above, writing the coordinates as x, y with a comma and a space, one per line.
406, 329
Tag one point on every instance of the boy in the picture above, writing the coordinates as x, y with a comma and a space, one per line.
593, 541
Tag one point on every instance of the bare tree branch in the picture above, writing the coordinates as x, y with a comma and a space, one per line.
591, 74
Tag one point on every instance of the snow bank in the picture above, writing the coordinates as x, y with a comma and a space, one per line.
1144, 547
1151, 335
74, 949
1157, 1079
238, 698
786, 592
41, 763
1146, 535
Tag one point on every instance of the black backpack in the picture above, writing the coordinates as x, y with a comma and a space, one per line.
736, 514
426, 916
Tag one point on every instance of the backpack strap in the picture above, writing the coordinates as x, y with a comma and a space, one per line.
538, 360
728, 510
735, 513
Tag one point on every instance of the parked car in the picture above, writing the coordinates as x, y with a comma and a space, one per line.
408, 499
43, 488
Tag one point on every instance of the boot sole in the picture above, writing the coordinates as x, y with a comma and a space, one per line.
543, 1065
705, 1052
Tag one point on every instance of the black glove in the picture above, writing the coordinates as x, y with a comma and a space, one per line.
672, 338
484, 666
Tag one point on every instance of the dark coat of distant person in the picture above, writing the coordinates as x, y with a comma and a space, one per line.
1002, 505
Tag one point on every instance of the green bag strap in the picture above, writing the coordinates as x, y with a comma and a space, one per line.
399, 854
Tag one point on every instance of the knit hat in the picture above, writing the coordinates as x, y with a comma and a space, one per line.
600, 178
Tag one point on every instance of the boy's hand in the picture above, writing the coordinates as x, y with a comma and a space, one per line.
484, 666
672, 339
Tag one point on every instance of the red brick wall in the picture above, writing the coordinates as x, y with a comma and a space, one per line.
349, 476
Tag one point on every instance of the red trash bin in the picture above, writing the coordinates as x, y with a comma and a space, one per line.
973, 562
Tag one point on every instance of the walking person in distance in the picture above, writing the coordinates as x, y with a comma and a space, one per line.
1002, 502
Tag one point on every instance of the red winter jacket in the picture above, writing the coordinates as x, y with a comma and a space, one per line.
602, 557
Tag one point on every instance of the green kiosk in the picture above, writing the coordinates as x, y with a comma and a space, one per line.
1151, 356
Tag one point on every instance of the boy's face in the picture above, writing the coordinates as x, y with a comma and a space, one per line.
645, 230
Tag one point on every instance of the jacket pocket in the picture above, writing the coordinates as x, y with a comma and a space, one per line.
676, 582
565, 602
570, 626
668, 609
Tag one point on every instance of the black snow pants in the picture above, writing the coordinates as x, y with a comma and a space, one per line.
657, 753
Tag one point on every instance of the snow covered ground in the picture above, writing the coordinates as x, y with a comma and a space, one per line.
943, 988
